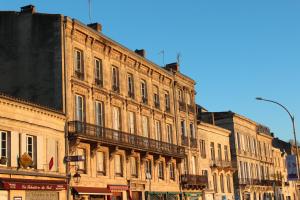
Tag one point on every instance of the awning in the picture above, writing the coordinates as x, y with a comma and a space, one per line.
92, 190
32, 184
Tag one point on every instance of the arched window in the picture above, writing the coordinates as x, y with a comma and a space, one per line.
215, 182
222, 183
228, 184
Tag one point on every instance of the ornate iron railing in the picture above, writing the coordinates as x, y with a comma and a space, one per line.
104, 135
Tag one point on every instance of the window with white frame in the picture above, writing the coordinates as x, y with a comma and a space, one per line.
101, 163
115, 79
215, 181
192, 130
118, 165
79, 108
133, 167
30, 146
193, 164
81, 164
148, 169
219, 152
167, 101
145, 126
116, 118
131, 122
172, 171
212, 151
98, 72
222, 183
130, 86
158, 134
226, 153
144, 91
169, 133
3, 144
182, 125
78, 63
156, 96
161, 170
202, 149
99, 113
185, 166
228, 184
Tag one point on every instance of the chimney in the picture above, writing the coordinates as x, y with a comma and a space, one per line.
141, 52
28, 9
96, 26
172, 66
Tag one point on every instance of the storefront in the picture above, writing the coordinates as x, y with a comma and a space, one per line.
119, 192
162, 195
193, 195
91, 193
31, 189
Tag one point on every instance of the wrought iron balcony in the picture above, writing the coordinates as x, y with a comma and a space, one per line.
79, 74
189, 181
193, 143
184, 140
98, 82
191, 108
92, 133
182, 106
260, 182
221, 164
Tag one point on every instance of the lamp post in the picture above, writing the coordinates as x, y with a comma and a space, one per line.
294, 130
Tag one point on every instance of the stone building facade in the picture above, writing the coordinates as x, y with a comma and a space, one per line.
215, 160
251, 150
134, 122
32, 150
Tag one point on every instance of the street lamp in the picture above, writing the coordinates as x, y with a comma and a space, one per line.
293, 123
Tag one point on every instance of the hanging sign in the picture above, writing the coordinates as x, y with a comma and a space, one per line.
291, 167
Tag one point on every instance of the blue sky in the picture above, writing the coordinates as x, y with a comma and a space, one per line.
235, 50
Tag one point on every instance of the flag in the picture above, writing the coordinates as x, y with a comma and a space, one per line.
51, 163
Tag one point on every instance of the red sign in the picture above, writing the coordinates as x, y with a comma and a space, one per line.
117, 187
51, 163
32, 186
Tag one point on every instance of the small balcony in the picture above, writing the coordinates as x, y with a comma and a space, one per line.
184, 140
79, 75
190, 181
221, 164
260, 182
98, 82
116, 88
182, 106
144, 100
96, 134
193, 143
191, 109
131, 94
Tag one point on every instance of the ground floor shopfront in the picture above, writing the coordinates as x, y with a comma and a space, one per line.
255, 193
31, 189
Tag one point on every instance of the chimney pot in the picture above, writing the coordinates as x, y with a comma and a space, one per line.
96, 26
141, 52
172, 66
28, 9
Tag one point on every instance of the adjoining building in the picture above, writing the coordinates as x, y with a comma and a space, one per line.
133, 121
32, 150
215, 161
251, 150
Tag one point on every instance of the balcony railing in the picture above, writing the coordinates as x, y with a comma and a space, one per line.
184, 140
192, 181
182, 106
193, 143
191, 108
221, 164
93, 133
79, 74
261, 182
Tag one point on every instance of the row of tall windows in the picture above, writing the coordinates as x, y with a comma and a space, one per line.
219, 152
116, 119
222, 185
184, 131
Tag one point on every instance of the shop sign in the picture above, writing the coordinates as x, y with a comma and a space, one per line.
291, 167
74, 158
117, 187
25, 161
41, 195
32, 186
